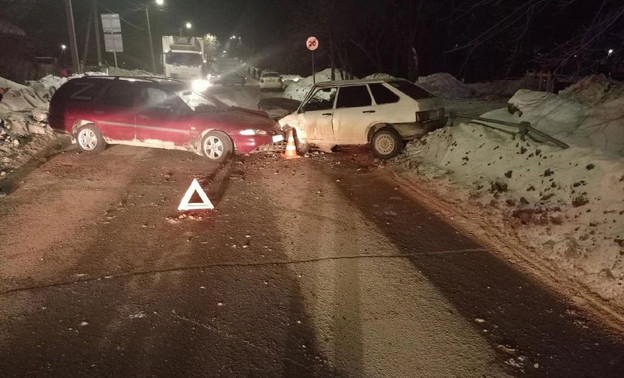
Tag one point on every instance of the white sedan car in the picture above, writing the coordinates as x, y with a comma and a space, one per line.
382, 112
271, 80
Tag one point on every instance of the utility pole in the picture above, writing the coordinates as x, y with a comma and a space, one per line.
71, 31
85, 52
96, 18
151, 43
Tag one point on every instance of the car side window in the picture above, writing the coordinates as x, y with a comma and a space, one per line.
83, 91
383, 95
119, 95
157, 99
322, 99
353, 96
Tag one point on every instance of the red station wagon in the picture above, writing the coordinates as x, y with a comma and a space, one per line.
156, 112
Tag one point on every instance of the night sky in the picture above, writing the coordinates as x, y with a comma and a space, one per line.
45, 22
371, 36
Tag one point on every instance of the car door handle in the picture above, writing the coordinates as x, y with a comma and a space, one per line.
98, 111
326, 114
143, 116
368, 111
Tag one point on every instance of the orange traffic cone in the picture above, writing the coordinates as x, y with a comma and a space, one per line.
291, 150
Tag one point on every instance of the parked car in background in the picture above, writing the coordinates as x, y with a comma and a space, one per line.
156, 112
382, 112
229, 78
271, 80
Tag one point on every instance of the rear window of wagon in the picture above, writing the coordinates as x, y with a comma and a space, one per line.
412, 90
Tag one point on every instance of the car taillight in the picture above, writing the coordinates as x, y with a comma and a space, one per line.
422, 116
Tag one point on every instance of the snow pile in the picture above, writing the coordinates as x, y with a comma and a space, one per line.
23, 114
8, 84
291, 78
500, 88
566, 204
379, 76
299, 89
445, 85
593, 90
599, 127
115, 71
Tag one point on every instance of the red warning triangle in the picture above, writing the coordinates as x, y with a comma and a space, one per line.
195, 188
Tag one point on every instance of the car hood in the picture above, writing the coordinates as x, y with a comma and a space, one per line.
240, 118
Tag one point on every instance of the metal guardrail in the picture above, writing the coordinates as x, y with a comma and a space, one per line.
524, 128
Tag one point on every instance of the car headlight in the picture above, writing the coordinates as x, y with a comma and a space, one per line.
253, 132
200, 85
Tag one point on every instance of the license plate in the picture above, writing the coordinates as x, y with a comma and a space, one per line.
278, 138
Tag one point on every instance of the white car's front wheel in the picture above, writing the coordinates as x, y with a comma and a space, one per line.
386, 143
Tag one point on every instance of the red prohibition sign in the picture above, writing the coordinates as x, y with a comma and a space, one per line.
312, 43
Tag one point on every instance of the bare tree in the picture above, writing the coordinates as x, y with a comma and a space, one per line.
509, 25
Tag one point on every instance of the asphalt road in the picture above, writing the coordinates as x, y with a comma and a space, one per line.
320, 266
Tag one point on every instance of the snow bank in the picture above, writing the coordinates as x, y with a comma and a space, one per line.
115, 71
445, 85
8, 84
564, 203
299, 89
592, 90
500, 88
599, 127
23, 115
378, 76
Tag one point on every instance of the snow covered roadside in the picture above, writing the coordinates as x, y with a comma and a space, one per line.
24, 130
566, 205
23, 120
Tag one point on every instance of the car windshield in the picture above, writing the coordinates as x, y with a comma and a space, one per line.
199, 102
183, 59
270, 74
412, 90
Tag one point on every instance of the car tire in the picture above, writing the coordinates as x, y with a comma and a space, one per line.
89, 139
302, 148
386, 143
217, 146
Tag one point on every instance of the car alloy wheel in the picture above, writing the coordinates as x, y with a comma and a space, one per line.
217, 146
89, 139
213, 147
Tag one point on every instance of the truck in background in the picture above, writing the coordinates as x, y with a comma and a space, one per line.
183, 57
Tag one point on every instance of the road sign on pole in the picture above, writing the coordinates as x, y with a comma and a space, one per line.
312, 44
111, 26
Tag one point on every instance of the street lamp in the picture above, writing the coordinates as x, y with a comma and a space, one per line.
188, 26
149, 32
63, 48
